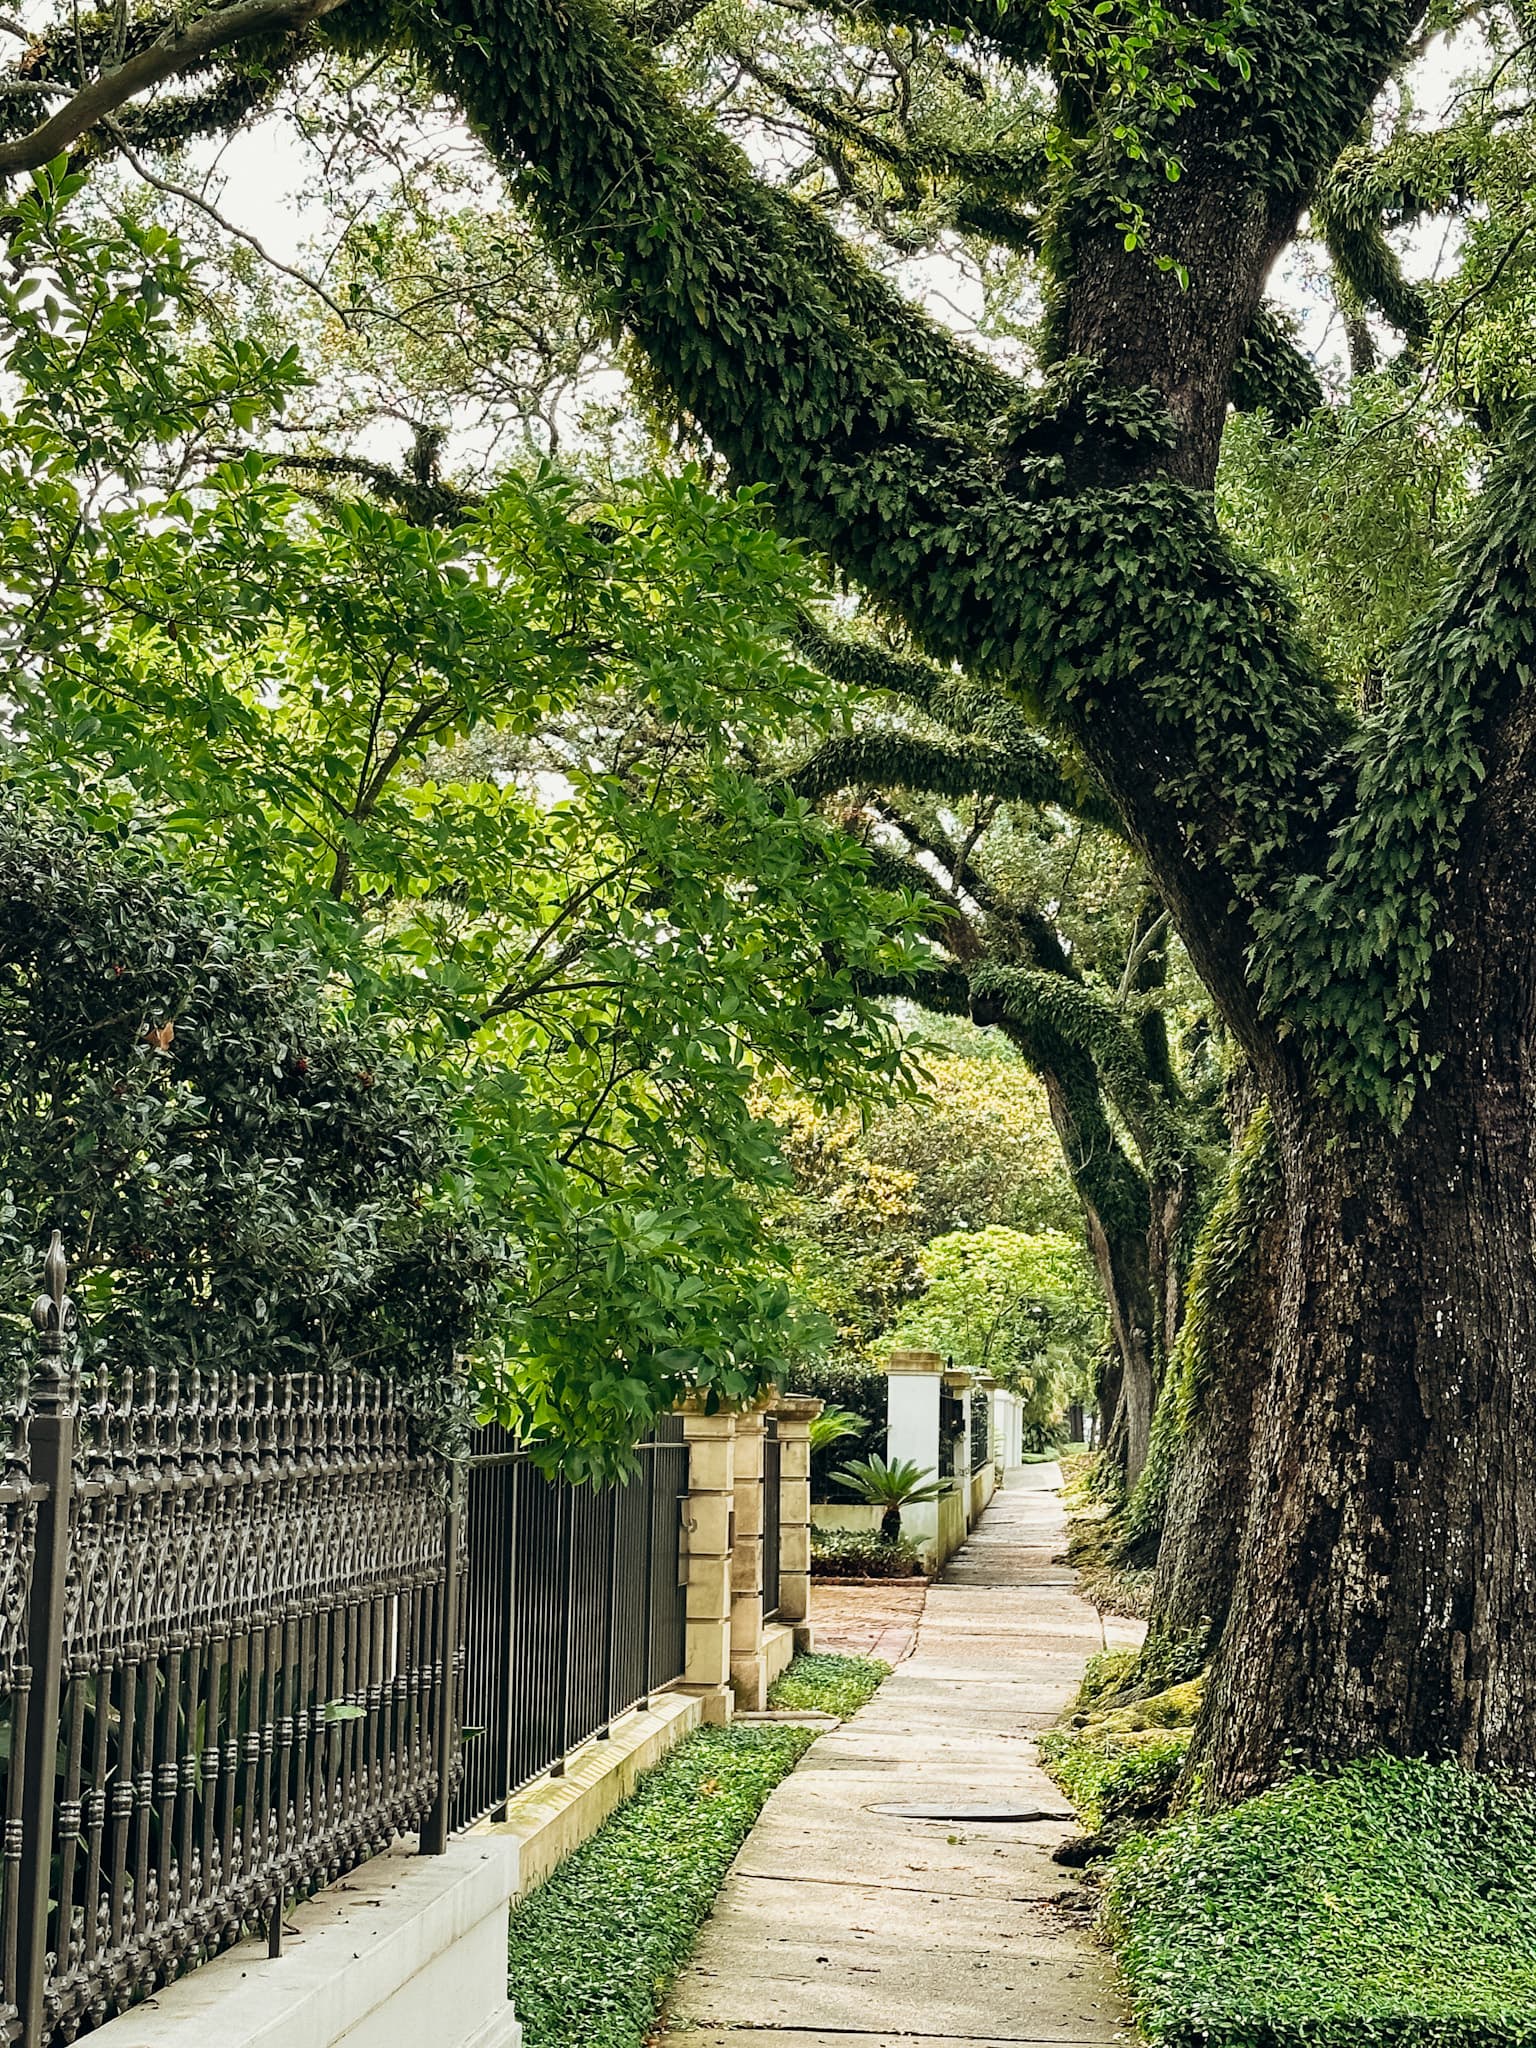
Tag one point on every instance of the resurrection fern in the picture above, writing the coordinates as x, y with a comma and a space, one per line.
1347, 950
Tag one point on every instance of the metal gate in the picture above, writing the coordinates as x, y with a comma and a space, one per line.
574, 1608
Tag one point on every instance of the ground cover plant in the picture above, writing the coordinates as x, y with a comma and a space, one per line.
595, 1949
1111, 1779
1392, 1903
828, 1684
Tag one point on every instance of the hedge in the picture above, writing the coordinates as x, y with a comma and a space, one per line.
860, 1389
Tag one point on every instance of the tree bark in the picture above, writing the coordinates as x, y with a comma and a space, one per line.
1386, 1597
1210, 1487
1117, 1217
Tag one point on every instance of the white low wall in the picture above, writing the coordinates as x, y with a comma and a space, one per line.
406, 1951
937, 1527
983, 1486
410, 1951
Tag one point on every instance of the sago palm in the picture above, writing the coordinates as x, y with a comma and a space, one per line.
902, 1483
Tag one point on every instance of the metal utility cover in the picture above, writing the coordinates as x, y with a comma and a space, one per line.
977, 1813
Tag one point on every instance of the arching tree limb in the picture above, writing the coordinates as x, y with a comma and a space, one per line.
181, 46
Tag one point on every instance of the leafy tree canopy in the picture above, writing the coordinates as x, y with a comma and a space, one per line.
1022, 1305
500, 771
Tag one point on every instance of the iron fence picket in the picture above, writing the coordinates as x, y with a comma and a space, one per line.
981, 1444
252, 1629
227, 1662
772, 1469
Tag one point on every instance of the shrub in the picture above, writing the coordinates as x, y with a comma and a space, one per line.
863, 1554
594, 1951
860, 1390
828, 1685
238, 1172
1388, 1905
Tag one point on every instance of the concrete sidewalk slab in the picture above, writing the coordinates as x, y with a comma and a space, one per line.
842, 1926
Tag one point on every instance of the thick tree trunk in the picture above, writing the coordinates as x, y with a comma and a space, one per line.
1130, 1386
1209, 1489
1386, 1593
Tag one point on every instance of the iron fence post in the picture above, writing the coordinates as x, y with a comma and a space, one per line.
651, 1465
611, 1617
438, 1824
567, 1620
508, 1594
52, 1401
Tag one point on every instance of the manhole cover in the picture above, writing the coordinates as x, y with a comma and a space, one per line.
977, 1813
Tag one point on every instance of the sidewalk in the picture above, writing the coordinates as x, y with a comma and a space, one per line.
842, 1926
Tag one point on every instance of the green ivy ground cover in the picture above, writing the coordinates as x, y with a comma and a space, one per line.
1392, 1905
828, 1685
595, 1949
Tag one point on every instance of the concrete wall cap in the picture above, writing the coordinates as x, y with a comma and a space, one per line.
914, 1361
351, 1949
798, 1407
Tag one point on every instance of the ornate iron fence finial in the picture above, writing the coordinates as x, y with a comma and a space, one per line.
53, 1313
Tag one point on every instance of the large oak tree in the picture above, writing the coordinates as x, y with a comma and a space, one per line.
1353, 884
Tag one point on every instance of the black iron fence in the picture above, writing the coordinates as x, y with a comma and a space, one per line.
575, 1608
773, 1458
227, 1619
951, 1432
253, 1628
981, 1434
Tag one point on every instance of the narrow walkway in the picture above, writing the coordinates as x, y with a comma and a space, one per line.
842, 1926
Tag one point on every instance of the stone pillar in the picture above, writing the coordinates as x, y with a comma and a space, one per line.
711, 1441
796, 1413
913, 1379
747, 1681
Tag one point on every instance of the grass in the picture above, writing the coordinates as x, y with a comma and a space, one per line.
828, 1685
596, 1948
1390, 1905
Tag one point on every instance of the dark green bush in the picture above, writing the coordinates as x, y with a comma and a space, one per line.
239, 1173
1391, 1905
595, 1949
859, 1389
860, 1554
828, 1685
